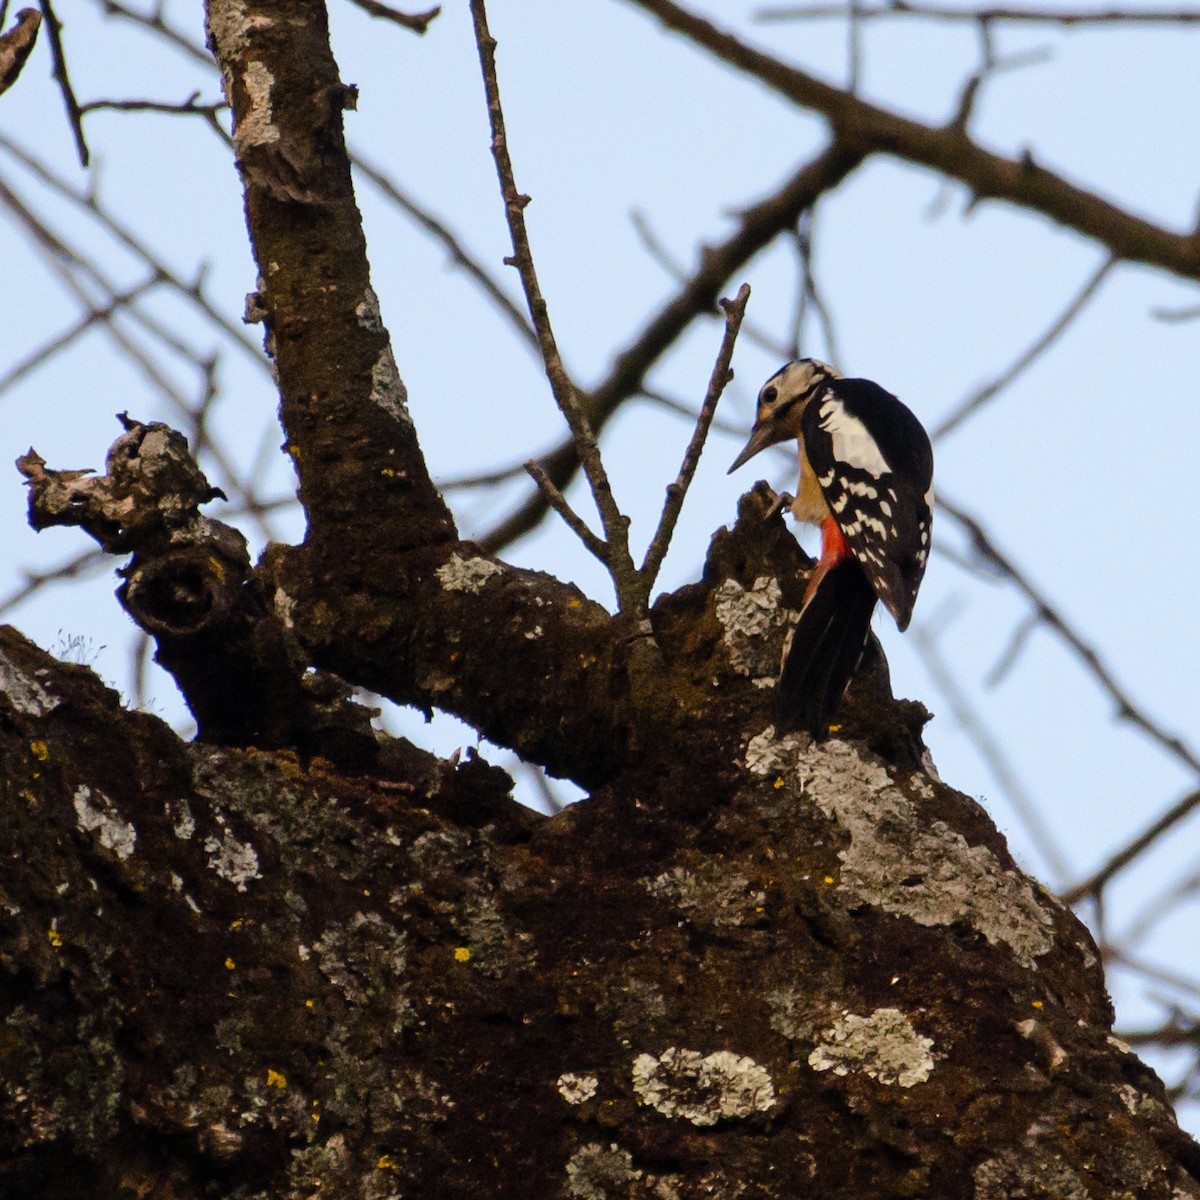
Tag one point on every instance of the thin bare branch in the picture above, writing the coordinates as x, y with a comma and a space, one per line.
1094, 884
619, 561
687, 411
947, 151
484, 478
575, 522
84, 563
63, 79
973, 403
697, 297
661, 255
191, 106
988, 747
417, 22
1127, 710
126, 237
810, 295
735, 311
63, 341
458, 253
935, 12
154, 23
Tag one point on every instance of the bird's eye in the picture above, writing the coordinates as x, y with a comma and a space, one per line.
769, 394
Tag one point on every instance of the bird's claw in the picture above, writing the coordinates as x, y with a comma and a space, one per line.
782, 500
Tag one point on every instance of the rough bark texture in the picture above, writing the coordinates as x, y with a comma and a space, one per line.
767, 969
275, 964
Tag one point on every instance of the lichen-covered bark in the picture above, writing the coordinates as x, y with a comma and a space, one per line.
795, 971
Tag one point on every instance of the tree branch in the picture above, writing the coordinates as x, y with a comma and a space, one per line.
697, 297
631, 596
735, 311
16, 45
948, 151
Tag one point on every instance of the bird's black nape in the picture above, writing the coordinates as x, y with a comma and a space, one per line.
827, 643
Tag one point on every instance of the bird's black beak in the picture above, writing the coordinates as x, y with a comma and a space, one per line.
762, 437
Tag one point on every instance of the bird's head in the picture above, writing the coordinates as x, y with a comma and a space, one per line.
781, 404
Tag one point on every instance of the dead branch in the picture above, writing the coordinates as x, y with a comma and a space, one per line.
735, 311
631, 595
697, 297
63, 79
16, 45
948, 151
417, 22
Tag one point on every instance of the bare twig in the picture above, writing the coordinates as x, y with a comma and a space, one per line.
575, 522
191, 106
947, 151
417, 22
490, 287
990, 65
94, 314
16, 44
54, 33
619, 561
984, 546
154, 23
735, 310
1095, 883
687, 411
802, 239
80, 564
988, 748
484, 478
973, 403
127, 238
904, 8
697, 297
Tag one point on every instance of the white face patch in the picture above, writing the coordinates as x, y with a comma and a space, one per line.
852, 444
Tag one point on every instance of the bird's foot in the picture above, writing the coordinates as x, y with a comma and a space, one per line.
781, 501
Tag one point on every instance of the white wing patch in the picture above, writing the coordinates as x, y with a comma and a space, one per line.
852, 444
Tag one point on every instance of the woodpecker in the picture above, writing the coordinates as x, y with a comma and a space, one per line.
866, 479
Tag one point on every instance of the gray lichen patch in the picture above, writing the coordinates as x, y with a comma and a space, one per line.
1031, 1172
746, 615
883, 1046
99, 816
711, 895
367, 960
24, 692
598, 1172
460, 574
576, 1089
387, 388
233, 860
703, 1088
898, 863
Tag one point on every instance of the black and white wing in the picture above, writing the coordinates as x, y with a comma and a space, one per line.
874, 465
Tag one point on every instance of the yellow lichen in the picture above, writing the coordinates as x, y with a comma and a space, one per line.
39, 750
230, 964
386, 1163
276, 1079
55, 937
462, 954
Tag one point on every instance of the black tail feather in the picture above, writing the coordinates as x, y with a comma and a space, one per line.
826, 645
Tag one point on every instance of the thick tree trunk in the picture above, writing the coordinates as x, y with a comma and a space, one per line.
757, 968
